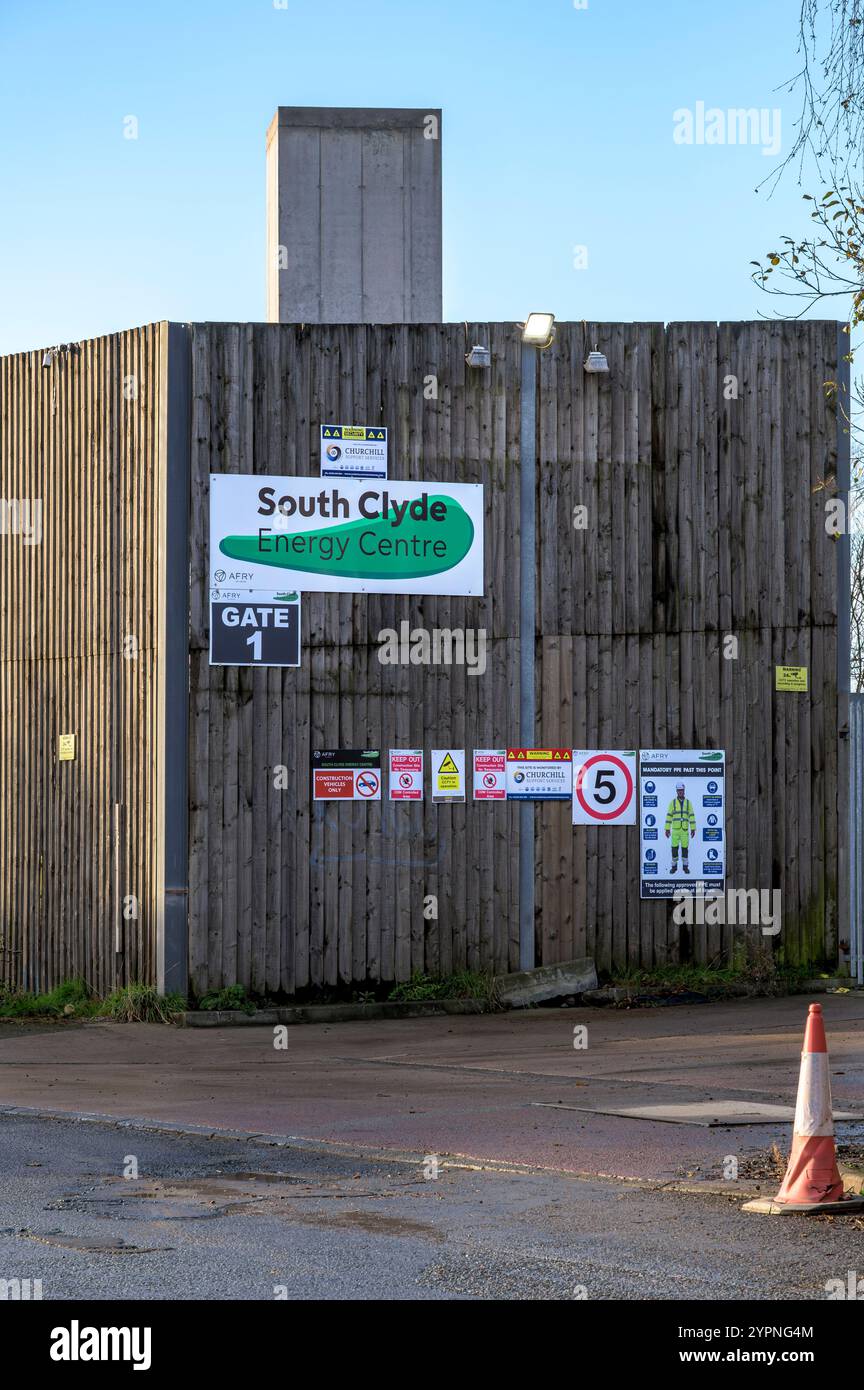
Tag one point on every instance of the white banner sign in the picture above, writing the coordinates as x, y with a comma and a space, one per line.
270, 534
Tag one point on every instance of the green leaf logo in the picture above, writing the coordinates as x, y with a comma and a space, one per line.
372, 550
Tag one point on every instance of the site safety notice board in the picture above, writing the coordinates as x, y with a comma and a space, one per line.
682, 808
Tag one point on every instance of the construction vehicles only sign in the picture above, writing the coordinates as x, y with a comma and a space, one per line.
346, 774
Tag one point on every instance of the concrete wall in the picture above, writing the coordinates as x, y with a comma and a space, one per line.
354, 203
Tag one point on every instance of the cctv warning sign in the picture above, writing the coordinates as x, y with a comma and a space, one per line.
448, 774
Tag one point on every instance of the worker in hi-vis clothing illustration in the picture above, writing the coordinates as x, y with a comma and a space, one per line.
680, 826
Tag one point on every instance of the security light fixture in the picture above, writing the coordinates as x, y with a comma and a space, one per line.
538, 330
479, 356
596, 361
47, 358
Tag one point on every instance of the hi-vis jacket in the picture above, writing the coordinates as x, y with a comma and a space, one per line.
681, 815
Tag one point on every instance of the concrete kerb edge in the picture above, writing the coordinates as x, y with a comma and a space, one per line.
293, 1014
623, 994
464, 1162
406, 1157
769, 1206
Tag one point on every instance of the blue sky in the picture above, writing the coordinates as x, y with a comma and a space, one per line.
557, 133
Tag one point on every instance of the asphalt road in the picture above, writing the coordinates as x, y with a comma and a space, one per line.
502, 1086
227, 1219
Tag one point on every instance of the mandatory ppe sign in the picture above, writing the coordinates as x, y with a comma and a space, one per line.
352, 774
682, 794
255, 634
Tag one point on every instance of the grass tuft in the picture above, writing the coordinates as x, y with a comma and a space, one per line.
465, 984
232, 997
142, 1004
72, 997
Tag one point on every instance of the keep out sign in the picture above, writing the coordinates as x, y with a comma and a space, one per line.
255, 634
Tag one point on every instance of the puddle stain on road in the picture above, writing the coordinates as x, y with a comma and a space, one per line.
223, 1194
372, 1223
91, 1245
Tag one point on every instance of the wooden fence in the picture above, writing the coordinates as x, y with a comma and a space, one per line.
704, 460
80, 444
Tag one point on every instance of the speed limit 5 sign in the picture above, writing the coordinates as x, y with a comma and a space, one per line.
604, 787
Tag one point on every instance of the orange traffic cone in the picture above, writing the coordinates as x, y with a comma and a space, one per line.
812, 1180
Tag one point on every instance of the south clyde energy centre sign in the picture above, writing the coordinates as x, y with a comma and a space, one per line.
269, 534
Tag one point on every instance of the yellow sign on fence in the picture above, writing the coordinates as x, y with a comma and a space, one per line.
790, 677
66, 748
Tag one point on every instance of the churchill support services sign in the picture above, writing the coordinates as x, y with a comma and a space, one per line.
269, 533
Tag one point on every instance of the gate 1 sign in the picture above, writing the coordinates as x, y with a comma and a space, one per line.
255, 634
539, 774
604, 787
682, 835
346, 774
341, 536
406, 774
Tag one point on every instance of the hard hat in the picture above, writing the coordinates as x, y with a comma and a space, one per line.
679, 786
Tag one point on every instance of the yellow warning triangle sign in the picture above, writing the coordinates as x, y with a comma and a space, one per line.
448, 765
